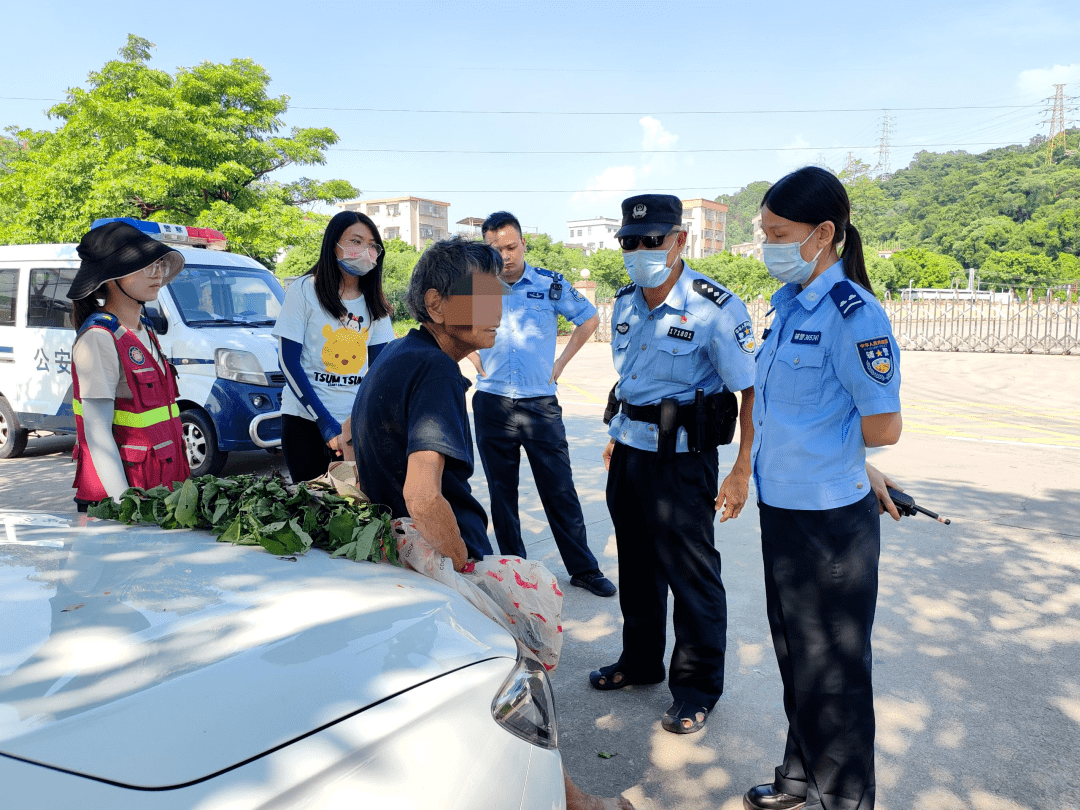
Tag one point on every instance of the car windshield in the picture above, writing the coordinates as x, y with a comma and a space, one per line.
226, 295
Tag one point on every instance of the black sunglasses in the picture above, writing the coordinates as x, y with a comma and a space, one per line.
649, 242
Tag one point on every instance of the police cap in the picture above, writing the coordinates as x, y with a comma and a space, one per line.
650, 215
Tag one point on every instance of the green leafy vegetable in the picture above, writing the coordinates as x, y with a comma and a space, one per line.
285, 519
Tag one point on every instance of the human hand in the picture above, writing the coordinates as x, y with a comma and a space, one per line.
879, 482
733, 494
557, 370
607, 454
335, 445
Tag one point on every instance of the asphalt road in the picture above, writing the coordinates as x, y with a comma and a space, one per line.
977, 640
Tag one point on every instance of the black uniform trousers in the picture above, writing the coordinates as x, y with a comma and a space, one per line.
821, 580
663, 514
503, 427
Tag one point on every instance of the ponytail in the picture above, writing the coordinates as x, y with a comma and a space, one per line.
854, 261
83, 308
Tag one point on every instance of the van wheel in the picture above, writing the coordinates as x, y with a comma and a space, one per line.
12, 437
200, 442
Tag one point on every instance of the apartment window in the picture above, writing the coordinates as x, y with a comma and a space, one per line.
426, 232
392, 233
392, 210
49, 305
372, 209
430, 210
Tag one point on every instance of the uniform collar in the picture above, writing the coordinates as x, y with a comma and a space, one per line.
677, 295
528, 277
815, 291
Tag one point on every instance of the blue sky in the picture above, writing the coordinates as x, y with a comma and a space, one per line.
699, 98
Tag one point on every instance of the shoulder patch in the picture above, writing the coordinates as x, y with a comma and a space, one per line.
845, 297
744, 336
714, 292
102, 319
877, 359
629, 288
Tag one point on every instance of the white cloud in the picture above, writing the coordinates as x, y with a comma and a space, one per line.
795, 154
1040, 81
611, 185
615, 183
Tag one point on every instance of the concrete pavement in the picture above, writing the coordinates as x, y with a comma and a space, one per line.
977, 641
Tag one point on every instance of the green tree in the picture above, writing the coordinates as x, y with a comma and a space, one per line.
398, 264
1011, 268
197, 148
746, 277
743, 206
540, 251
924, 268
607, 269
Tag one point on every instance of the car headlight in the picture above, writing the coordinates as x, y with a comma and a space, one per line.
241, 366
525, 706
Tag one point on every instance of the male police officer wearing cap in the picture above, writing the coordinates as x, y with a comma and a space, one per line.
515, 405
681, 344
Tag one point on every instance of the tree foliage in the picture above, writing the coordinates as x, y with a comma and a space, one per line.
197, 148
742, 208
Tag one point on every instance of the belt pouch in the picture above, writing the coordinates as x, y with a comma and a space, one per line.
668, 429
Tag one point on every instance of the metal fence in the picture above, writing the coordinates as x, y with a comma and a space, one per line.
1019, 325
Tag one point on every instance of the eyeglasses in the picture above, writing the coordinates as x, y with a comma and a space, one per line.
358, 246
156, 269
648, 242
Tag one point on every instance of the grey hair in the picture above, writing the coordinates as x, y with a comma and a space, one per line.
443, 264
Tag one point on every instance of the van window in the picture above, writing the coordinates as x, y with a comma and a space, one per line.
9, 296
215, 296
49, 305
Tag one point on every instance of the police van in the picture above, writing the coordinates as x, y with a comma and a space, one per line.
214, 321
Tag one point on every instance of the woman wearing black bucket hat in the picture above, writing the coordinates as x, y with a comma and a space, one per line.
124, 389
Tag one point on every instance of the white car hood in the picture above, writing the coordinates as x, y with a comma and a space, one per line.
151, 658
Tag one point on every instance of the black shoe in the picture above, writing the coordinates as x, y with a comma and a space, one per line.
594, 581
767, 797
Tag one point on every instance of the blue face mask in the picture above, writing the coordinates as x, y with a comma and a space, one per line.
356, 267
785, 263
647, 268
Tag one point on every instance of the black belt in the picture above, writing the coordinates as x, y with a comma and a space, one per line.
651, 413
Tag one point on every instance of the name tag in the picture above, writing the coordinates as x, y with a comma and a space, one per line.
681, 334
806, 338
539, 295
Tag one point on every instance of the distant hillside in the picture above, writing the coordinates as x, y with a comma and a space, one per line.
1007, 212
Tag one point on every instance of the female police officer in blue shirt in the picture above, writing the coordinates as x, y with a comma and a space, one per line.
828, 387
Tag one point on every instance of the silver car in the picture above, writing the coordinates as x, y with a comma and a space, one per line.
142, 668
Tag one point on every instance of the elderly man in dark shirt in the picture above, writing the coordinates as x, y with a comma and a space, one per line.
409, 426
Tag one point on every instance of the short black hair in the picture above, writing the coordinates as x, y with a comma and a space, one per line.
499, 220
443, 264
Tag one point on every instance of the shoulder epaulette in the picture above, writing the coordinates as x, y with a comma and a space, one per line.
629, 288
845, 297
105, 320
714, 292
549, 273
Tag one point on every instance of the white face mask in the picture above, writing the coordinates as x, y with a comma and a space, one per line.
358, 266
785, 263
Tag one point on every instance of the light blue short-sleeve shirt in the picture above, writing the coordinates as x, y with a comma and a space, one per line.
828, 359
520, 363
699, 337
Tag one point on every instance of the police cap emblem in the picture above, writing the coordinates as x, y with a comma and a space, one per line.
639, 211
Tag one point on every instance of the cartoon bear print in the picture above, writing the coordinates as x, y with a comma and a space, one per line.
345, 351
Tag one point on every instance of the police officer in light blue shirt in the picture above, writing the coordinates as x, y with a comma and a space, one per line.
682, 345
828, 387
515, 406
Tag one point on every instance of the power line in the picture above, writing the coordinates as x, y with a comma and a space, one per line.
657, 112
643, 151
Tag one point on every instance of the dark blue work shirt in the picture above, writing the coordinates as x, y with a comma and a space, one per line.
413, 399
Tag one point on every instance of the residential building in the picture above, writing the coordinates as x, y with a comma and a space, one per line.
751, 250
411, 219
705, 222
593, 234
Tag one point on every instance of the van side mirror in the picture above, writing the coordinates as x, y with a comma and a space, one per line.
157, 320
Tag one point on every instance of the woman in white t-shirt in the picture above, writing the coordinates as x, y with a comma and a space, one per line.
332, 326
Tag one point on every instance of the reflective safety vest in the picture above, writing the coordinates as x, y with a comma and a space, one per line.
146, 426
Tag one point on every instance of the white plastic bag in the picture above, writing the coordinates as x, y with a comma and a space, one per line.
521, 595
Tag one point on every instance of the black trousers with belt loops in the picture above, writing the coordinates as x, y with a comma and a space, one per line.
821, 581
663, 515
